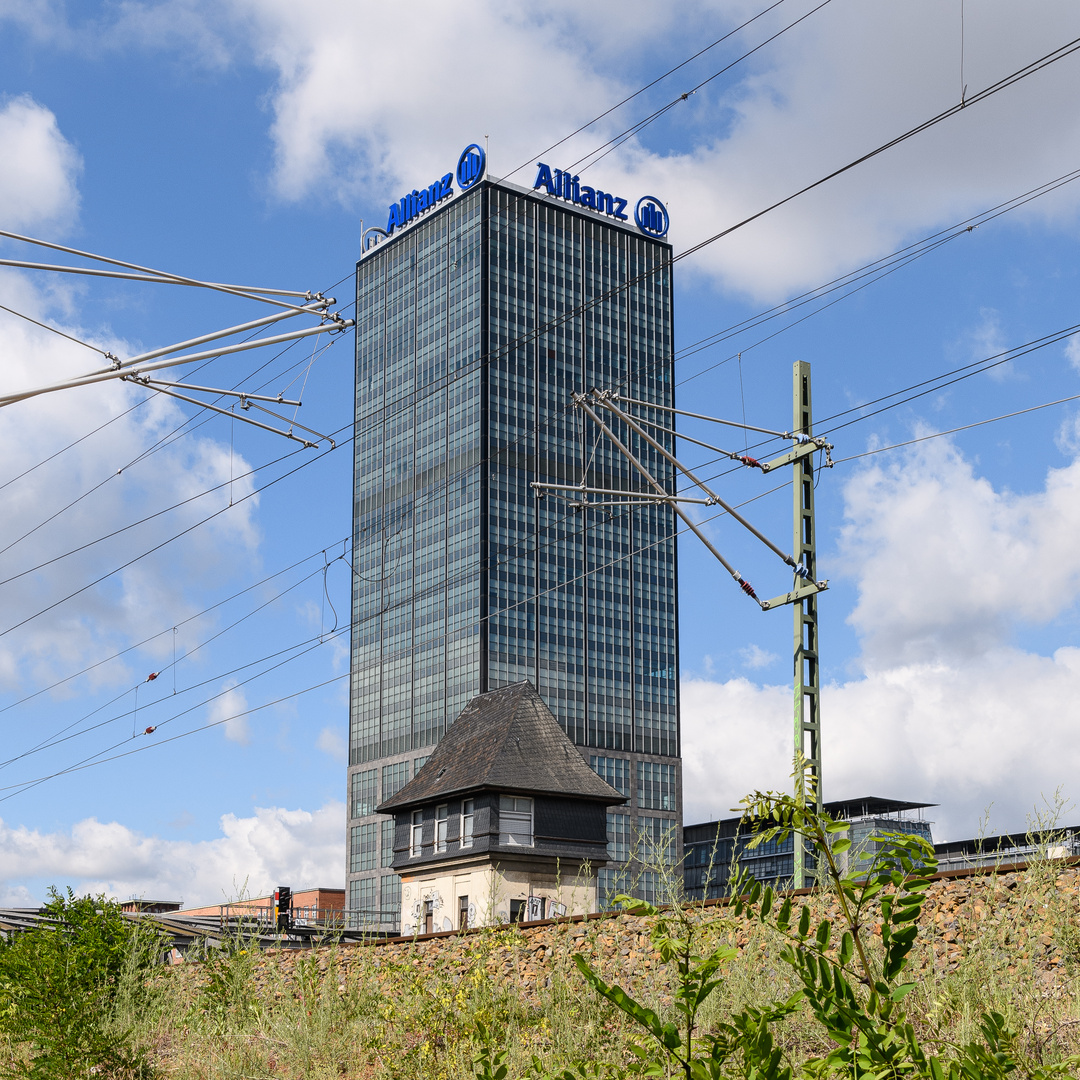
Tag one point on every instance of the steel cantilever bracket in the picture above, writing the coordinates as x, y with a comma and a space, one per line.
800, 592
796, 454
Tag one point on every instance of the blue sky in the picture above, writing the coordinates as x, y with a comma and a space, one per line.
246, 141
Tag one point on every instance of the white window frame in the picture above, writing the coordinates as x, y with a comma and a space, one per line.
515, 810
416, 834
442, 822
468, 822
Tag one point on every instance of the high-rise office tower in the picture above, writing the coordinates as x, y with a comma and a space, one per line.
482, 309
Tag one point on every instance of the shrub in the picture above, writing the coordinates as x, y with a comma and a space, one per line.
66, 988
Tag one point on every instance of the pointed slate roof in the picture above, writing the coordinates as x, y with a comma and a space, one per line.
506, 740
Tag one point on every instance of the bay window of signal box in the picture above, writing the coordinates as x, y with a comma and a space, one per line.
468, 816
416, 834
442, 822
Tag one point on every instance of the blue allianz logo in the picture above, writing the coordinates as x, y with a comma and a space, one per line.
470, 166
470, 170
564, 185
416, 202
651, 216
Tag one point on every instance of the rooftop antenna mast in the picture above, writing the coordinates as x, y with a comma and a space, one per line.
608, 409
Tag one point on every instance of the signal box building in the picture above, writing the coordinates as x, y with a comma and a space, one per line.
505, 822
482, 310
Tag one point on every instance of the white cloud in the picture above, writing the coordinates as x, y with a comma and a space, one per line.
1072, 352
18, 896
1000, 728
359, 111
736, 737
946, 709
331, 741
946, 563
365, 106
43, 19
274, 845
38, 168
754, 657
1067, 438
226, 710
848, 80
843, 82
988, 340
164, 25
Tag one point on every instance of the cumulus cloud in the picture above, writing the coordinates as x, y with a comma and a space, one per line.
1072, 352
38, 168
302, 847
332, 741
852, 78
45, 20
997, 729
51, 621
988, 340
360, 111
226, 709
945, 709
754, 657
364, 107
985, 558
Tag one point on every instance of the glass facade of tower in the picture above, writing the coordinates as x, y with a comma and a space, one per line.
474, 327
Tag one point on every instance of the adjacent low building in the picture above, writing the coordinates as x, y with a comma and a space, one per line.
1009, 848
504, 822
715, 850
307, 907
139, 905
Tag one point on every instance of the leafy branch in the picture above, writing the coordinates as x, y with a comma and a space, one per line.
854, 992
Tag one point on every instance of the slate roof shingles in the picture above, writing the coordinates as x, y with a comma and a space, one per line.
506, 740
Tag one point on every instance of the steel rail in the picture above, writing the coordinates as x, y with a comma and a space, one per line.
226, 412
582, 403
700, 416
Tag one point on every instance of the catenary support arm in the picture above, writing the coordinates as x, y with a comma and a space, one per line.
581, 402
157, 278
9, 399
603, 400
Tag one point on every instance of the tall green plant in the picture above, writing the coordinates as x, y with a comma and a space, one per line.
59, 985
852, 973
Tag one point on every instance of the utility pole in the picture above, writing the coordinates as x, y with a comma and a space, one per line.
807, 697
